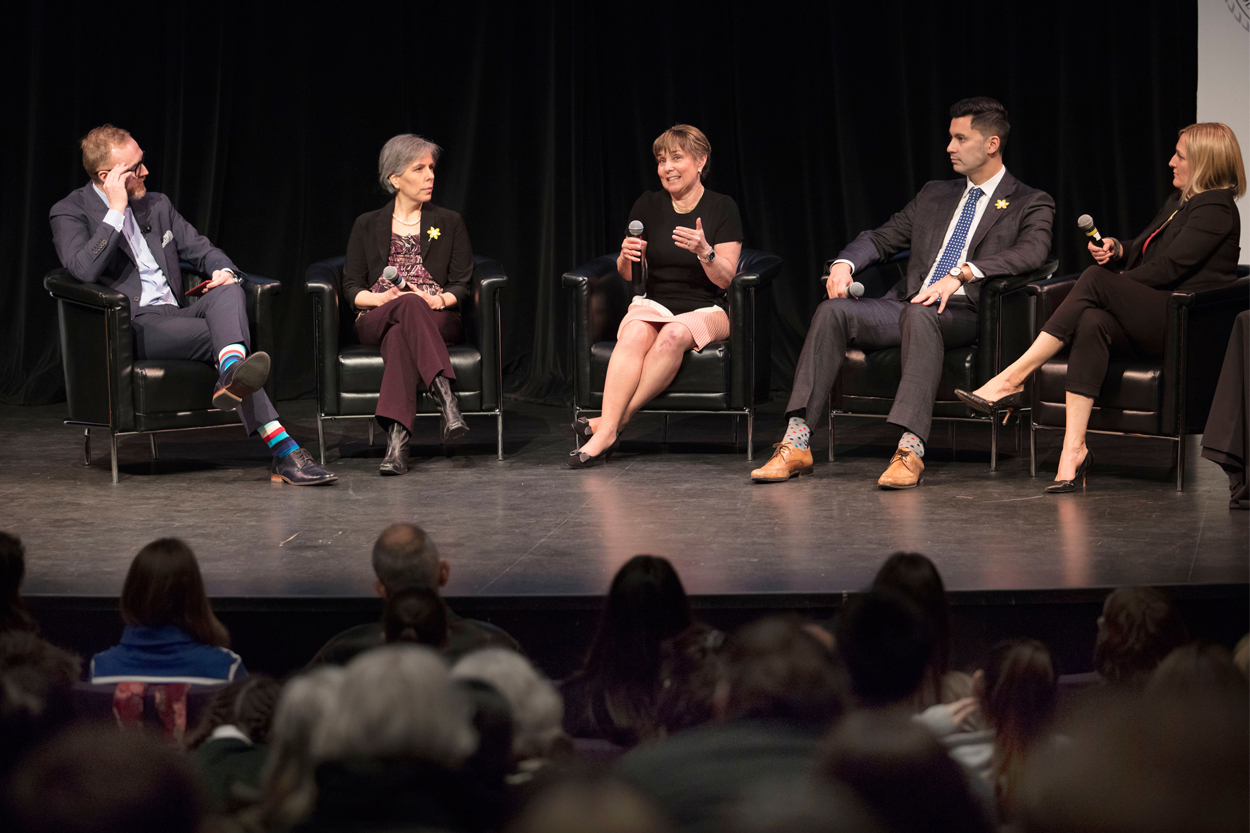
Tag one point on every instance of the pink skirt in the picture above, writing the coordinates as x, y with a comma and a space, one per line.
705, 325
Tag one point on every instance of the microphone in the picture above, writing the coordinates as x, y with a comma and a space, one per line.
392, 275
147, 229
855, 290
639, 274
1086, 224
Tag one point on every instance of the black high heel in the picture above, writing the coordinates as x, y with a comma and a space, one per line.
1009, 403
1082, 474
580, 460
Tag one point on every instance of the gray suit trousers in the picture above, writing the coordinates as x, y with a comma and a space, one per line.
199, 332
874, 324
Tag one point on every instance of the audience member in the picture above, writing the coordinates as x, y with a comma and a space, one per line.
812, 805
1133, 763
536, 707
288, 787
492, 762
171, 634
901, 773
415, 615
690, 671
36, 679
590, 805
96, 780
231, 742
1018, 693
13, 613
613, 696
1241, 655
780, 691
391, 751
403, 557
916, 577
1139, 626
1198, 668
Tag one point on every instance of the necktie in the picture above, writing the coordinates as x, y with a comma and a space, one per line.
954, 246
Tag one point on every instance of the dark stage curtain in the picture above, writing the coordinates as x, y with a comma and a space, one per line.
262, 122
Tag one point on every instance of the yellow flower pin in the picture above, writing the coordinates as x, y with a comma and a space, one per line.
434, 233
1001, 204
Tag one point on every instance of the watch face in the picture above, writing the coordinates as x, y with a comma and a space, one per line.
956, 271
711, 256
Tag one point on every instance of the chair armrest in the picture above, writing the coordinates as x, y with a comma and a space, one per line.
755, 268
488, 280
1047, 296
1199, 327
321, 283
64, 286
750, 327
1001, 285
1237, 291
1004, 329
582, 283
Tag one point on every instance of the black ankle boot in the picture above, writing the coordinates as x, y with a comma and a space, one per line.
396, 460
454, 426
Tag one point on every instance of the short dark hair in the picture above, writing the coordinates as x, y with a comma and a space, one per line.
416, 615
94, 778
690, 670
989, 116
885, 642
13, 613
248, 704
36, 684
775, 669
1138, 628
1196, 668
405, 556
164, 587
917, 578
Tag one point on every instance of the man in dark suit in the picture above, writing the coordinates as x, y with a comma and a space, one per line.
112, 231
959, 231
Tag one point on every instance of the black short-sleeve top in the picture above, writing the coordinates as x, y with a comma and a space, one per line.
675, 277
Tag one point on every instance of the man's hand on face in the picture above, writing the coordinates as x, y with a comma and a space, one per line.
114, 187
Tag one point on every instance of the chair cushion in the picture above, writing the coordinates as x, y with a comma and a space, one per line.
869, 381
1131, 399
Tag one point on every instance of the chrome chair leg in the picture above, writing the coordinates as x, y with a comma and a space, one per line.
751, 435
86, 446
1032, 449
664, 433
156, 454
113, 453
993, 444
499, 435
371, 433
321, 439
950, 435
1180, 464
831, 436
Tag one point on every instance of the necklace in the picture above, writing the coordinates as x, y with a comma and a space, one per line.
681, 210
417, 221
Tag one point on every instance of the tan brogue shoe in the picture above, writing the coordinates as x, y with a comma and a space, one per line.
786, 462
905, 472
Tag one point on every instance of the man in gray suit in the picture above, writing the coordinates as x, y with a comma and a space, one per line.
112, 231
959, 231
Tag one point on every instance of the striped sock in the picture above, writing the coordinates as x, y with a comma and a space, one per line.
230, 354
797, 433
912, 443
278, 440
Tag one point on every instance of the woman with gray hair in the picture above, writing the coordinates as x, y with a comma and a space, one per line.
408, 271
537, 708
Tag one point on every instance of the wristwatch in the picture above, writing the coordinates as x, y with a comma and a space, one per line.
957, 272
711, 255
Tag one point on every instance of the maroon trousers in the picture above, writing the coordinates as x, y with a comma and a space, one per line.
413, 339
1107, 315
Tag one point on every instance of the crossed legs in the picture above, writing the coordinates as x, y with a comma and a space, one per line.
644, 362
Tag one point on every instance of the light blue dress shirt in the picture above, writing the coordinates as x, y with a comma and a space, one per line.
155, 286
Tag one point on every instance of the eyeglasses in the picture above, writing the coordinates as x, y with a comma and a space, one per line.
133, 169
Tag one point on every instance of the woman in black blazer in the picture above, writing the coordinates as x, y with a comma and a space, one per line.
413, 317
1119, 307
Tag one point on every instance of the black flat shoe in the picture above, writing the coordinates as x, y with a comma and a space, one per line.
454, 426
243, 378
1060, 487
1009, 403
580, 460
396, 460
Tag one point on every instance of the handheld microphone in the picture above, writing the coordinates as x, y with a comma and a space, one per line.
639, 274
1086, 224
392, 275
855, 290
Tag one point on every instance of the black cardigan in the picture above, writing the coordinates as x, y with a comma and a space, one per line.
1197, 250
445, 251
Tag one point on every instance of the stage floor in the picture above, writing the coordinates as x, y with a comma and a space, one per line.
530, 526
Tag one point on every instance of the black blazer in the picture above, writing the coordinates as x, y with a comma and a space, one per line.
445, 250
1196, 250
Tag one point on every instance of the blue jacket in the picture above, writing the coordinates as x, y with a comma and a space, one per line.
164, 655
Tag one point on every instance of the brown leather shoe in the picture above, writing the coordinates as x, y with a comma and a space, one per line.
906, 471
786, 462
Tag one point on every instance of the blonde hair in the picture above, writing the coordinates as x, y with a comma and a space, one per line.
1214, 159
97, 147
689, 140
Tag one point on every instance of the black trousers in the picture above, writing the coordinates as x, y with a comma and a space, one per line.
413, 339
1105, 316
198, 332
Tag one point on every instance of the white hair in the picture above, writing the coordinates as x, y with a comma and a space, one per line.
537, 708
289, 790
397, 702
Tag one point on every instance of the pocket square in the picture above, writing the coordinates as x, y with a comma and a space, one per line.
169, 235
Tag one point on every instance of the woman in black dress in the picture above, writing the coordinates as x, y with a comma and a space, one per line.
691, 241
1119, 307
415, 317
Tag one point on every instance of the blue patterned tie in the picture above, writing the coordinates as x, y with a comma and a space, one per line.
950, 255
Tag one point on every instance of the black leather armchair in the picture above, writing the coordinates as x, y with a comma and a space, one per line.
349, 375
869, 381
107, 387
726, 377
1166, 398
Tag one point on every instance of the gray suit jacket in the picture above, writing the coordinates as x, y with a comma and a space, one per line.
1012, 240
95, 252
